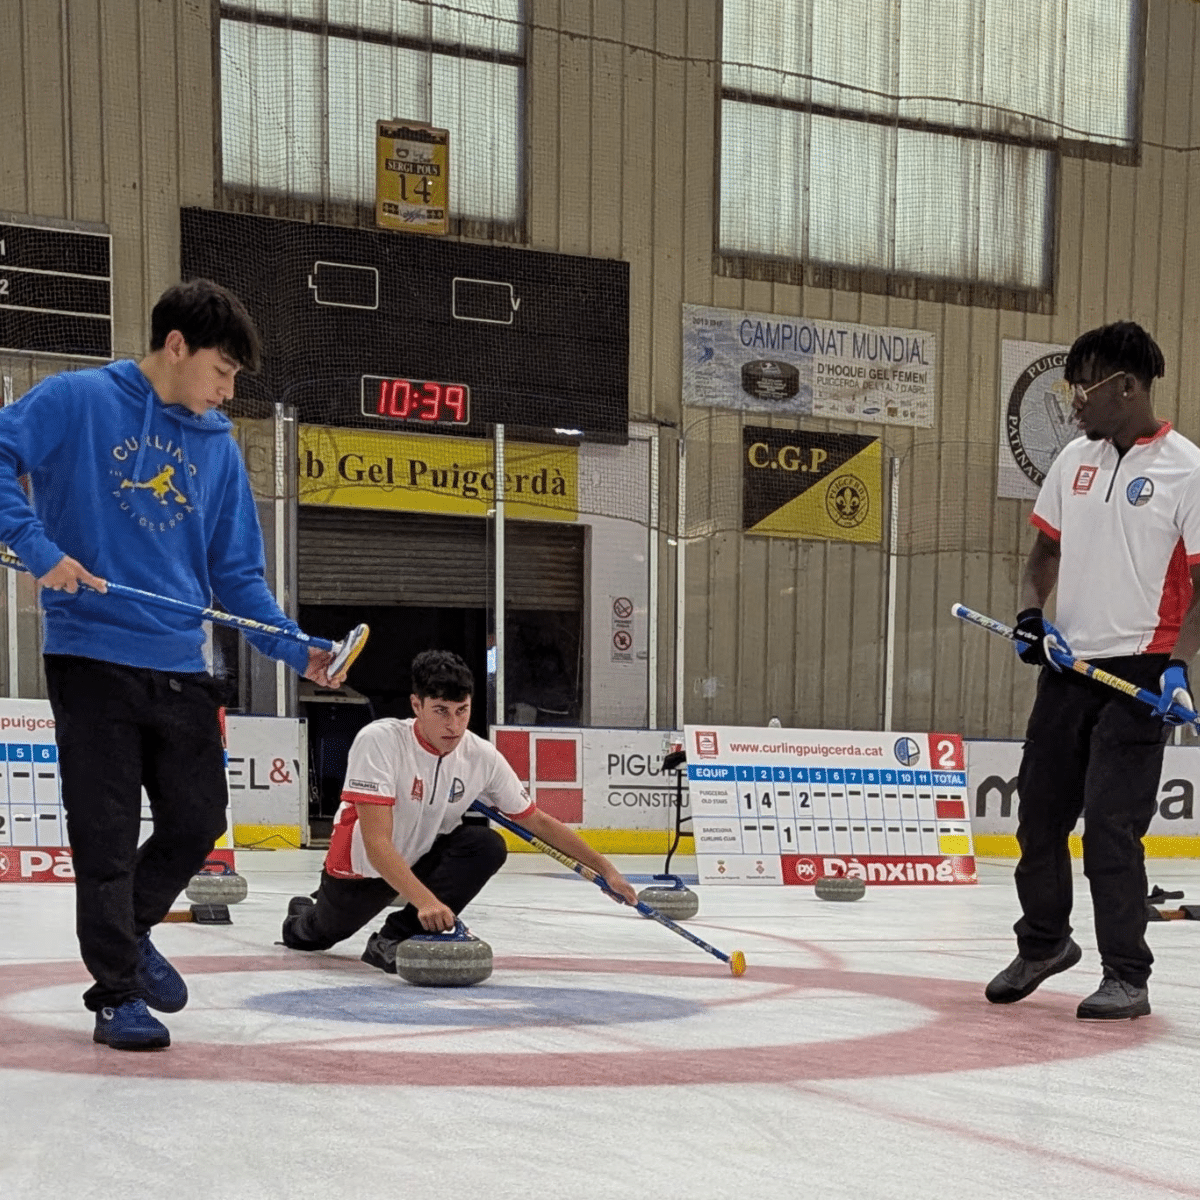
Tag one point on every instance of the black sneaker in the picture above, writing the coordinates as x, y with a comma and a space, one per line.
130, 1026
1023, 975
381, 952
297, 907
1115, 1000
162, 986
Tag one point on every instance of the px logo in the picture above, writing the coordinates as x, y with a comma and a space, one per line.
806, 870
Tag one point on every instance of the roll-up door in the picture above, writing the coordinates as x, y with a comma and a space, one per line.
364, 556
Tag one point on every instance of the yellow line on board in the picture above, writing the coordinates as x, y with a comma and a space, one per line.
267, 837
614, 841
1004, 845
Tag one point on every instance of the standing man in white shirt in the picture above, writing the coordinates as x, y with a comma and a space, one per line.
1118, 521
399, 830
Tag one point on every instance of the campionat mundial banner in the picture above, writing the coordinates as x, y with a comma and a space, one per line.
802, 366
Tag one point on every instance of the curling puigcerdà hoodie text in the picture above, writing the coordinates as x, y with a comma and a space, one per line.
141, 493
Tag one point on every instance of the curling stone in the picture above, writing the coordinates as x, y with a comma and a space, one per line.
839, 887
671, 898
218, 883
454, 959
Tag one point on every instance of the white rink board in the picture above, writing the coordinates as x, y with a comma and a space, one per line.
789, 806
608, 779
264, 771
993, 767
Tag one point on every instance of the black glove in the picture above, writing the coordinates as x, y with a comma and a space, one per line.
1036, 638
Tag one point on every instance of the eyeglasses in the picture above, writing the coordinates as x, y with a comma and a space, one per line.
1075, 393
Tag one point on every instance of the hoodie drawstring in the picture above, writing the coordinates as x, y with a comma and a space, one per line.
151, 401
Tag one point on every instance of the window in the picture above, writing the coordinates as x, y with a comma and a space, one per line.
304, 81
916, 137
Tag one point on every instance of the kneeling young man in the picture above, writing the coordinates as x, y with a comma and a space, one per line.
399, 829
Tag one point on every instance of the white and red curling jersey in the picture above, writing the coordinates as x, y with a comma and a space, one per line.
1128, 528
428, 792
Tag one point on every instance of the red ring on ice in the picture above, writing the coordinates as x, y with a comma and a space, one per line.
965, 1033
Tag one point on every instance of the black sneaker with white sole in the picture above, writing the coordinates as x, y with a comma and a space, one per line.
1023, 976
1115, 1000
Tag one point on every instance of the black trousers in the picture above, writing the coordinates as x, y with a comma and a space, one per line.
454, 869
1089, 751
120, 729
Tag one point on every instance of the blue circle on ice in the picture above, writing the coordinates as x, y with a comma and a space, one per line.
478, 1007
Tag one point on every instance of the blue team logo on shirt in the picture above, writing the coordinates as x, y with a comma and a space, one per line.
1139, 491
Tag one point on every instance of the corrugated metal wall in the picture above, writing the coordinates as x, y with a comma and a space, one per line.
106, 115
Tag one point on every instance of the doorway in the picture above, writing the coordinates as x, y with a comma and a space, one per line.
425, 581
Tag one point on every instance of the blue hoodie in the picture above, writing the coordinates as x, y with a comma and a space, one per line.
140, 493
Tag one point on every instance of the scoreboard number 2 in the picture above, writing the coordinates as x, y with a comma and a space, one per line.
946, 752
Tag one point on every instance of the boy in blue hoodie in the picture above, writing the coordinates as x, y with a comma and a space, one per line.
136, 477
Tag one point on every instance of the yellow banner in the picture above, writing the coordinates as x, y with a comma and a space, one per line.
412, 177
798, 484
359, 468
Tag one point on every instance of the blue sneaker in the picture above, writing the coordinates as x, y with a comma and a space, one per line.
130, 1026
162, 986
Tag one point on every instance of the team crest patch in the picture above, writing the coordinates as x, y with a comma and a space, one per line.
1084, 478
1139, 491
418, 789
847, 501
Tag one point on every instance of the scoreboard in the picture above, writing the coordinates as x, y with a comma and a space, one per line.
55, 289
382, 330
789, 806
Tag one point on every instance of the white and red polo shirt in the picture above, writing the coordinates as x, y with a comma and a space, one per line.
390, 764
1128, 527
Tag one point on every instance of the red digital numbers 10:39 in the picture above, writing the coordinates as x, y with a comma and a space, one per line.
421, 400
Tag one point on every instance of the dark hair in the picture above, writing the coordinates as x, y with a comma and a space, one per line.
207, 315
1123, 346
441, 675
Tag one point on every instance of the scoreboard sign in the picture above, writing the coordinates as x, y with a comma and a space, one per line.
379, 330
55, 290
790, 806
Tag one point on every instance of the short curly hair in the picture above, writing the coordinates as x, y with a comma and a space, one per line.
441, 675
1122, 346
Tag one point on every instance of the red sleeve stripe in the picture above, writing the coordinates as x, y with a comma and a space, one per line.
1193, 559
1045, 526
527, 812
364, 798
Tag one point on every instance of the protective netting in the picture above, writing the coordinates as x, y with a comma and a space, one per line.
916, 138
376, 330
303, 83
852, 549
55, 289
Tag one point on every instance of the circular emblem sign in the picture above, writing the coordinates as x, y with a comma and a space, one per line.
1038, 422
847, 501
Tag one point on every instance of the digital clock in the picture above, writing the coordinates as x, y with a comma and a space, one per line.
421, 400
